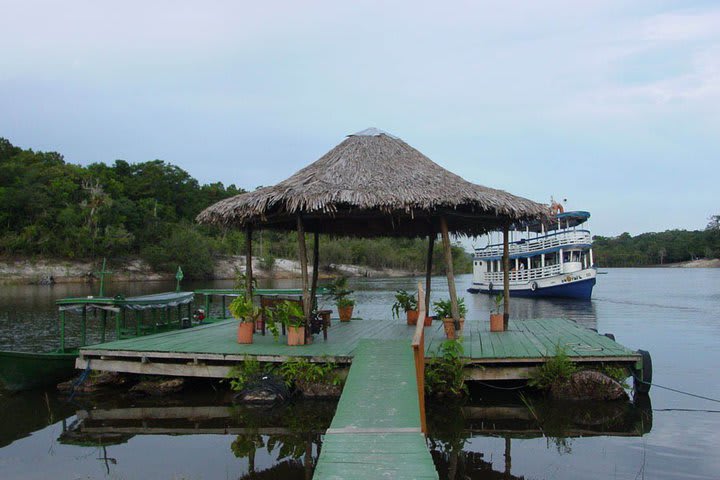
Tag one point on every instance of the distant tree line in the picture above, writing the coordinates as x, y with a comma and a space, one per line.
52, 208
658, 248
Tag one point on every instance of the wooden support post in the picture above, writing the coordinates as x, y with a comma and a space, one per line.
508, 457
62, 330
302, 252
138, 321
316, 263
418, 347
248, 266
449, 271
208, 299
118, 317
103, 325
83, 326
428, 272
506, 274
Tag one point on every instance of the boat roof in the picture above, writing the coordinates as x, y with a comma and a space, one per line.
155, 299
233, 292
569, 220
164, 298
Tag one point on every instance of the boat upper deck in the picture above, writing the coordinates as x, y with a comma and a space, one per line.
535, 246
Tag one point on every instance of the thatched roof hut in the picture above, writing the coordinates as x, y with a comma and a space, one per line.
374, 184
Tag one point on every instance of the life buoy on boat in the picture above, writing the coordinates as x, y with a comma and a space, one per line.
533, 286
556, 208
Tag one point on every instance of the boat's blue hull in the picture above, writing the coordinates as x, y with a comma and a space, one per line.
581, 289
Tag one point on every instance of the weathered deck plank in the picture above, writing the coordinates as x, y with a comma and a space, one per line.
526, 341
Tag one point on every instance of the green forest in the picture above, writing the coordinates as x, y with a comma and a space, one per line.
52, 208
658, 248
55, 209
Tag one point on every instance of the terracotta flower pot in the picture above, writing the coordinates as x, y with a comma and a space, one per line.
295, 336
497, 323
428, 320
449, 325
245, 332
412, 317
345, 313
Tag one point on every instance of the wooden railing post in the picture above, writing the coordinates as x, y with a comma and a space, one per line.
418, 346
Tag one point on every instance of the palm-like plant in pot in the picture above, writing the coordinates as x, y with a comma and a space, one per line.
340, 292
407, 303
443, 308
497, 319
246, 312
292, 316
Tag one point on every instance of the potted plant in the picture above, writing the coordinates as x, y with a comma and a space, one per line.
407, 303
340, 292
497, 319
292, 316
345, 307
444, 310
244, 310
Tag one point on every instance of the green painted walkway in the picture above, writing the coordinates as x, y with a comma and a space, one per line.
376, 429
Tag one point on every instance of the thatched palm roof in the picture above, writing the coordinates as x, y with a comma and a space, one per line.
374, 184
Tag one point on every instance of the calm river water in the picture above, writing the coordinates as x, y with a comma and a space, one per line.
673, 313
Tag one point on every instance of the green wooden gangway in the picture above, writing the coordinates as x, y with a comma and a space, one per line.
376, 431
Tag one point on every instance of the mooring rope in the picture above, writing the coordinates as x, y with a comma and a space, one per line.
80, 380
676, 390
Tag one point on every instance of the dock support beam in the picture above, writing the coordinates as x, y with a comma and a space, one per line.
248, 266
428, 272
450, 274
506, 274
302, 252
316, 263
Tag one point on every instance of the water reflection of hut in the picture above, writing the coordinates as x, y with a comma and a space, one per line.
373, 184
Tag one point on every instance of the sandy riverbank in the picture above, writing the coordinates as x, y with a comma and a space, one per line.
33, 271
701, 263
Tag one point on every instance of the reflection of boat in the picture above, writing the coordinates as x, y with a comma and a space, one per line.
26, 370
547, 259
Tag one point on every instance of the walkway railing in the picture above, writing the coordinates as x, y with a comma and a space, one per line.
418, 346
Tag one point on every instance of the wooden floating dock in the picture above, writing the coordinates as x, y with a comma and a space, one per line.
376, 431
211, 350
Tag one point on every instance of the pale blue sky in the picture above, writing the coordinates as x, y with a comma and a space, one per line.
613, 105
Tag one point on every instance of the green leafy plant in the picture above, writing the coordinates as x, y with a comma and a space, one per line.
555, 370
619, 374
443, 308
498, 301
289, 314
345, 302
243, 373
341, 293
243, 309
404, 302
303, 370
241, 280
444, 373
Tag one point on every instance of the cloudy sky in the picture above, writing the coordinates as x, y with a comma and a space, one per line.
612, 105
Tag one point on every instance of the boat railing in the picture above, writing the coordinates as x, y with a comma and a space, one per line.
538, 244
524, 275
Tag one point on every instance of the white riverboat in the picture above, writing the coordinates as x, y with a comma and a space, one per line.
552, 259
